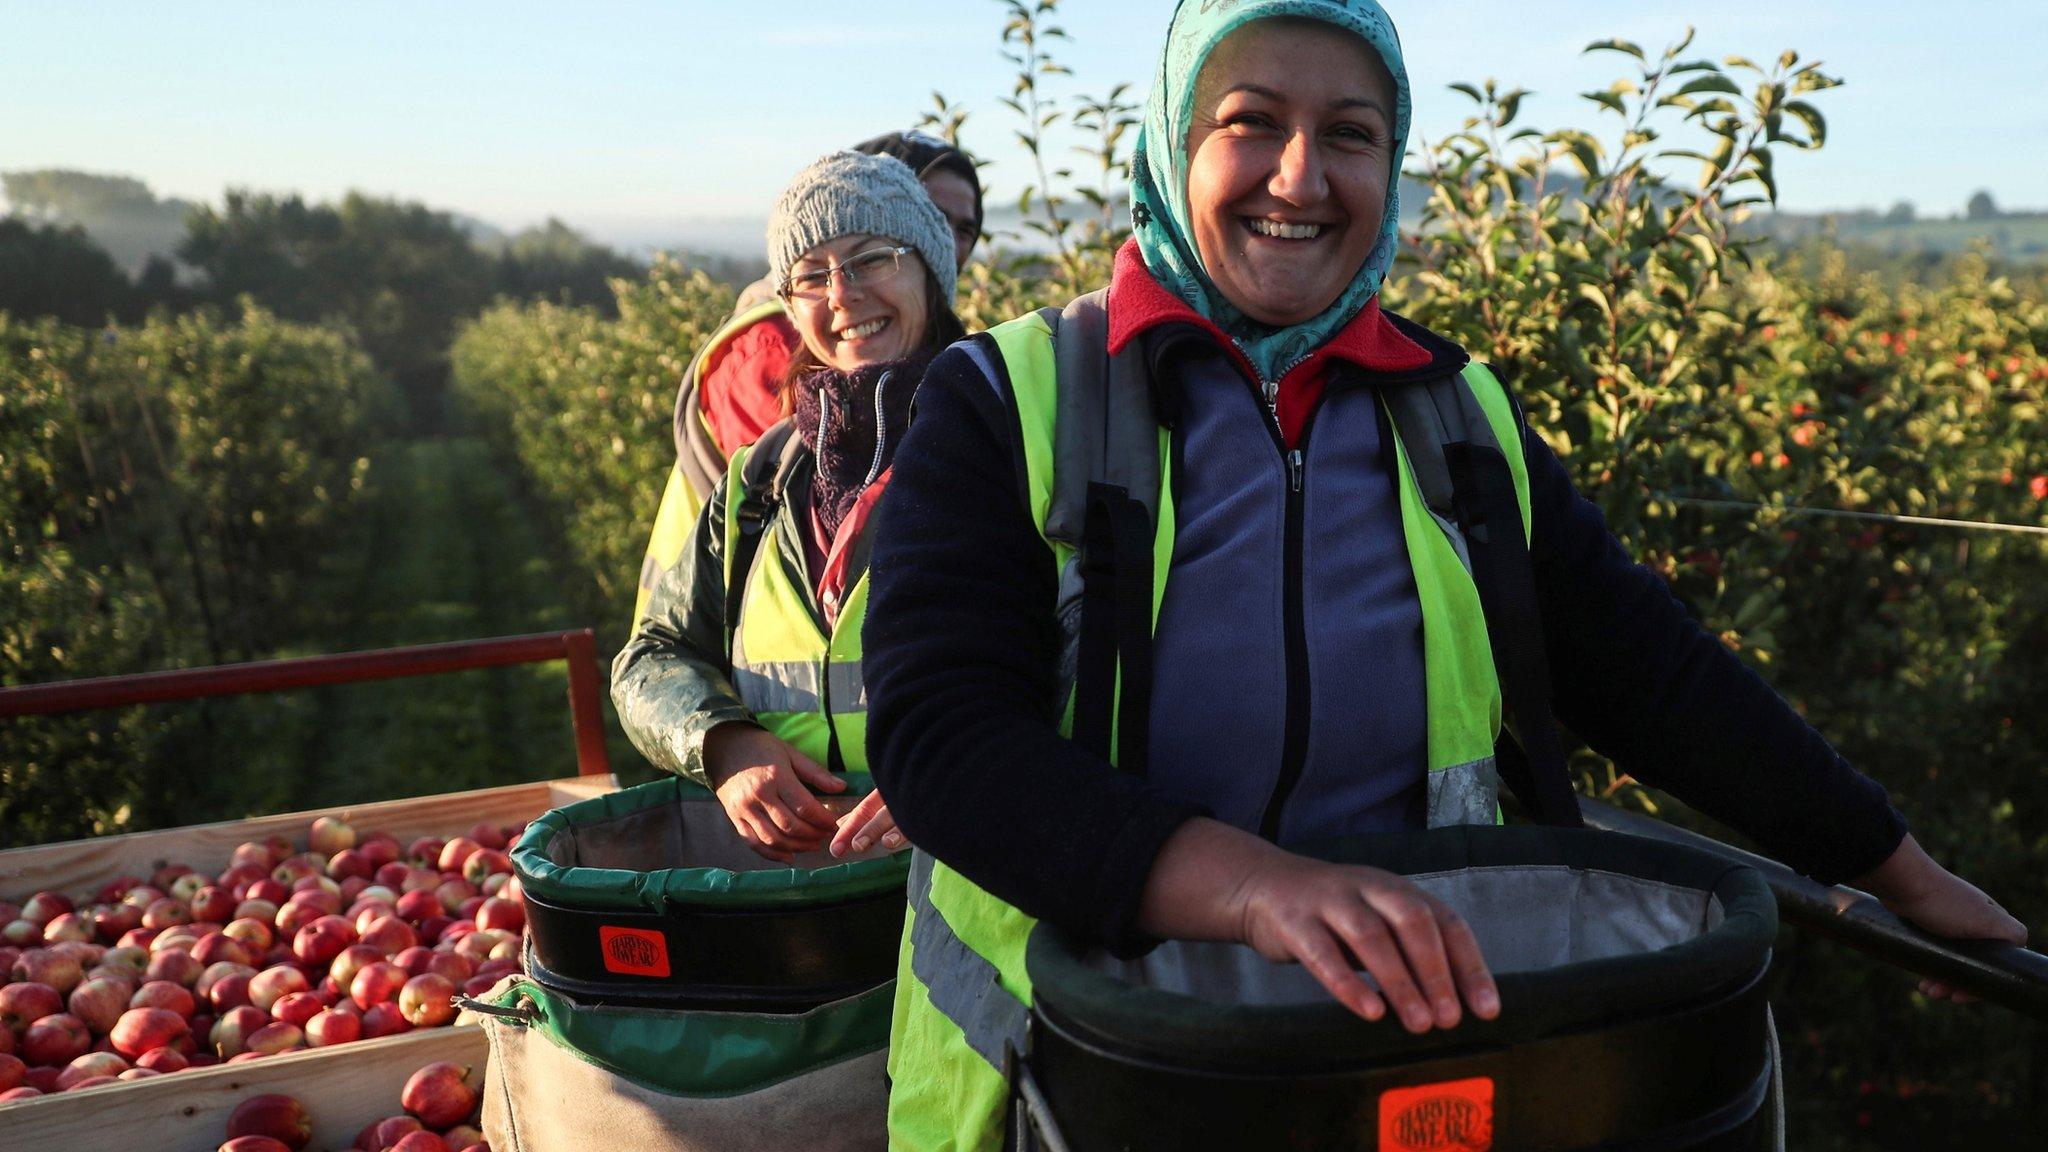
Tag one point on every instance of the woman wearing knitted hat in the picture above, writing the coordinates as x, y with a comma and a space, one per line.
731, 390
1309, 653
744, 670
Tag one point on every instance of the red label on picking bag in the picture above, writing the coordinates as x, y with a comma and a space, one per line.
633, 951
1453, 1116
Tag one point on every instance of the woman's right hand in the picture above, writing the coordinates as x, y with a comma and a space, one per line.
1326, 916
765, 787
1329, 918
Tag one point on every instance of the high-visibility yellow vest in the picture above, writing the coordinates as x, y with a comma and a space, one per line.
801, 682
962, 991
697, 454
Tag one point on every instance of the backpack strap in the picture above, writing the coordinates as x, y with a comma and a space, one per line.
764, 472
1105, 504
697, 452
1470, 490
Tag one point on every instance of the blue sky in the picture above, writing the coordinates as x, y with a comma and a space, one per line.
626, 118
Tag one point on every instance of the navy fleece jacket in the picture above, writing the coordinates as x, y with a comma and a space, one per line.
961, 643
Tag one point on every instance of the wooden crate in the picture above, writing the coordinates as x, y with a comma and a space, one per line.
78, 867
346, 1086
343, 1088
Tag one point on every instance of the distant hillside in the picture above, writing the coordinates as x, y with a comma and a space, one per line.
2016, 236
120, 213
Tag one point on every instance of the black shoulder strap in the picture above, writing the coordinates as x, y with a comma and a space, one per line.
1466, 481
761, 477
1104, 502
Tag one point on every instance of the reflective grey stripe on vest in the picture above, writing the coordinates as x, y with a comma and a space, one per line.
792, 686
960, 982
1465, 794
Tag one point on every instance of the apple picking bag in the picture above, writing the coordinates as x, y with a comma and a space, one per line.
683, 993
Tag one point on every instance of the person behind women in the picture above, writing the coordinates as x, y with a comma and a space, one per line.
731, 389
1320, 664
744, 671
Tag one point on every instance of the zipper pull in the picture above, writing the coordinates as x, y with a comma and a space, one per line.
1294, 469
1271, 390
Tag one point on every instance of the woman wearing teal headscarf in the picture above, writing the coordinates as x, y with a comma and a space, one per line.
1319, 662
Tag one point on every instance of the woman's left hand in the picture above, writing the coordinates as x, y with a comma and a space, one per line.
861, 828
1937, 900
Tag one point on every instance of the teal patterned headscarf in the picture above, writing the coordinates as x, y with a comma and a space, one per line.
1159, 172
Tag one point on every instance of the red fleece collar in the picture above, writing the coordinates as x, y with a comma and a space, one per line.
1139, 303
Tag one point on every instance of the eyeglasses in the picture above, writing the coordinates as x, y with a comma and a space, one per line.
873, 266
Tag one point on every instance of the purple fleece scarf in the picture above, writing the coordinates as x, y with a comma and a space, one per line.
852, 423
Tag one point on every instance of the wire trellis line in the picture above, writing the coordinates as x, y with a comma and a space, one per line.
1879, 517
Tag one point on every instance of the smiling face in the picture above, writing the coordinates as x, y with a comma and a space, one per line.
869, 322
1290, 151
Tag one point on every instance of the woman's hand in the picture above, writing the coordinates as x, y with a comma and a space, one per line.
1911, 884
761, 782
868, 822
1328, 917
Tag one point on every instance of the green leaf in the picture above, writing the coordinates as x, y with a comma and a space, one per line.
1622, 46
1607, 100
1469, 90
1712, 82
1816, 124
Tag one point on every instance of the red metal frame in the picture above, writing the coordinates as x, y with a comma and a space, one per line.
579, 648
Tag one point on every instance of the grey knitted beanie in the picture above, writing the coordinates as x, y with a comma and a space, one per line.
847, 193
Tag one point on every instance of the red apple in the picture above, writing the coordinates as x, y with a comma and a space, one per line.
217, 972
22, 1093
269, 986
294, 917
439, 1094
47, 966
454, 893
55, 1041
138, 938
295, 869
44, 907
379, 848
419, 1142
381, 1134
433, 928
12, 1070
100, 1003
485, 862
479, 985
213, 904
347, 864
421, 879
142, 1029
21, 934
502, 916
330, 1028
331, 835
377, 983
229, 992
140, 1073
418, 904
266, 888
168, 995
389, 935
23, 1004
218, 947
298, 1008
43, 1078
166, 912
352, 887
351, 961
254, 1144
462, 1136
128, 957
384, 1020
174, 965
489, 835
427, 1001
163, 1060
7, 1041
275, 1037
91, 1082
320, 892
255, 934
87, 954
67, 926
281, 1118
111, 922
321, 941
143, 895
230, 1036
89, 1065
456, 853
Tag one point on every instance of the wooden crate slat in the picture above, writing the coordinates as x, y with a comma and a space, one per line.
76, 867
343, 1088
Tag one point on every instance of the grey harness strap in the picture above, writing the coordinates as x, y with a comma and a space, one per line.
1104, 431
